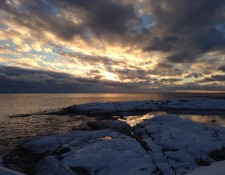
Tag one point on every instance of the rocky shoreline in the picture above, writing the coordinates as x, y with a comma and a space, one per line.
162, 145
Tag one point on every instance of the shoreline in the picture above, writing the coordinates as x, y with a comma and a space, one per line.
152, 146
112, 128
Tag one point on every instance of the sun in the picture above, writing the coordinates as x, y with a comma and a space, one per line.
110, 76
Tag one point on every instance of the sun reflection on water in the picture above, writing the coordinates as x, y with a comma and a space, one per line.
206, 119
134, 120
211, 120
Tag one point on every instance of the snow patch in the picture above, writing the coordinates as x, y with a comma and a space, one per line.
217, 168
5, 171
92, 152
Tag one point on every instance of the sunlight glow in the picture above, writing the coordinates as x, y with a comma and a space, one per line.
110, 76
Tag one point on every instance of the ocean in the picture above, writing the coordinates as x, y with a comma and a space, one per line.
12, 104
15, 130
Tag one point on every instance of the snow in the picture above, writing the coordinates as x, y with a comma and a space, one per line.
194, 104
111, 107
5, 171
164, 145
208, 104
176, 145
90, 152
217, 168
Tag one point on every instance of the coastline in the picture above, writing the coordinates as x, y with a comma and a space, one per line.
159, 155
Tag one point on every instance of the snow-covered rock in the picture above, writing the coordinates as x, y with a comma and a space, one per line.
162, 145
217, 168
208, 104
103, 152
194, 104
5, 171
178, 146
112, 107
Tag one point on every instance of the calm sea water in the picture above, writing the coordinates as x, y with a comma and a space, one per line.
12, 104
15, 130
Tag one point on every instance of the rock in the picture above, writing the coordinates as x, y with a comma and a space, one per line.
115, 125
90, 152
114, 108
5, 171
162, 145
178, 146
217, 168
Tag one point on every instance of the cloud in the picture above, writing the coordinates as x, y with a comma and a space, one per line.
218, 78
91, 59
222, 68
141, 45
15, 79
103, 16
182, 57
69, 18
186, 29
194, 75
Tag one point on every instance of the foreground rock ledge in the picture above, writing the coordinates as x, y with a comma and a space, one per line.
162, 145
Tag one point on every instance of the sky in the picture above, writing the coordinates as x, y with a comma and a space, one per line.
112, 46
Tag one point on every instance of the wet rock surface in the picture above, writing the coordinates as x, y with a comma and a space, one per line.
162, 145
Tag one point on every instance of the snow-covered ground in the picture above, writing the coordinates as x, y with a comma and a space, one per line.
217, 168
4, 171
178, 146
208, 104
164, 145
103, 152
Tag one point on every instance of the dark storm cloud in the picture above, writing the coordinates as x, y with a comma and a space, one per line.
15, 79
129, 74
218, 78
98, 16
39, 7
138, 75
150, 74
170, 80
103, 16
164, 44
187, 29
181, 57
222, 68
184, 30
195, 86
194, 75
